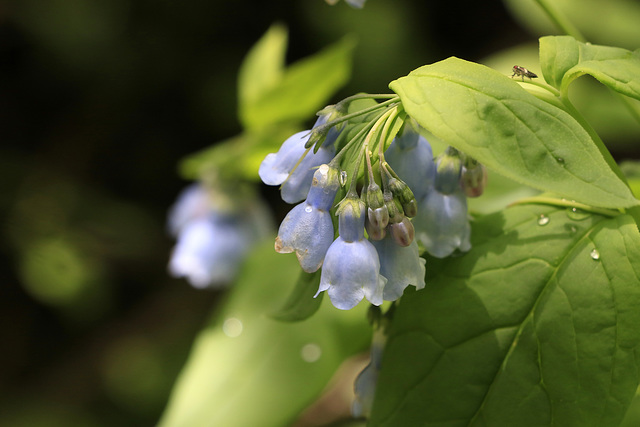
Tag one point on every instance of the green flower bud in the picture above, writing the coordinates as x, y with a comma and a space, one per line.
377, 211
393, 207
405, 196
448, 169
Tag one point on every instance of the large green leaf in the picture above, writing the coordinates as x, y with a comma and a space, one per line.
247, 369
537, 325
263, 67
564, 59
302, 90
492, 118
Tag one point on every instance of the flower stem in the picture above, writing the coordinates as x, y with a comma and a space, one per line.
560, 20
565, 203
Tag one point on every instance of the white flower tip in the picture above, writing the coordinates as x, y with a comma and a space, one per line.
269, 174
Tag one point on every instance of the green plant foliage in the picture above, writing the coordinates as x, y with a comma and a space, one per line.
301, 303
247, 369
493, 119
276, 98
563, 59
536, 325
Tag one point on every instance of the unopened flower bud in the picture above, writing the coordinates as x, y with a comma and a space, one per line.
405, 196
393, 207
473, 178
448, 169
377, 211
402, 232
375, 233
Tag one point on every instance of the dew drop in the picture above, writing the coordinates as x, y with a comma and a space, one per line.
311, 352
343, 178
543, 220
595, 255
232, 327
577, 214
560, 160
573, 229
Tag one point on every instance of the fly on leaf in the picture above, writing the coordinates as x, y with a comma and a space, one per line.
522, 72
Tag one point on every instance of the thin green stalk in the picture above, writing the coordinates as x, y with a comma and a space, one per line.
543, 200
560, 20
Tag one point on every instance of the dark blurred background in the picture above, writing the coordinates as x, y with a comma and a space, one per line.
99, 99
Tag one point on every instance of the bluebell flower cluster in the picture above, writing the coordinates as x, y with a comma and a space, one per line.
441, 225
396, 201
212, 239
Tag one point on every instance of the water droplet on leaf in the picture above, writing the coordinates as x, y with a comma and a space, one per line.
543, 220
560, 160
577, 214
311, 352
232, 327
595, 255
343, 178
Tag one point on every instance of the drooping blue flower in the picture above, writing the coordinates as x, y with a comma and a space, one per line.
401, 265
411, 157
193, 202
211, 240
448, 172
278, 168
307, 229
351, 269
366, 381
209, 251
442, 225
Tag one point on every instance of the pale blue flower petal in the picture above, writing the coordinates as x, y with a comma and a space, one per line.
208, 251
351, 269
350, 273
442, 224
275, 167
296, 187
401, 265
193, 202
411, 157
365, 384
308, 231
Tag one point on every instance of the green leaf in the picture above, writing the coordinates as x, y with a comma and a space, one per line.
564, 59
614, 22
493, 119
301, 303
246, 369
263, 67
236, 157
531, 327
305, 87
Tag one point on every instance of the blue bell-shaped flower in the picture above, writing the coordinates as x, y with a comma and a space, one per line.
212, 238
442, 225
411, 158
351, 269
278, 168
401, 265
307, 229
209, 250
